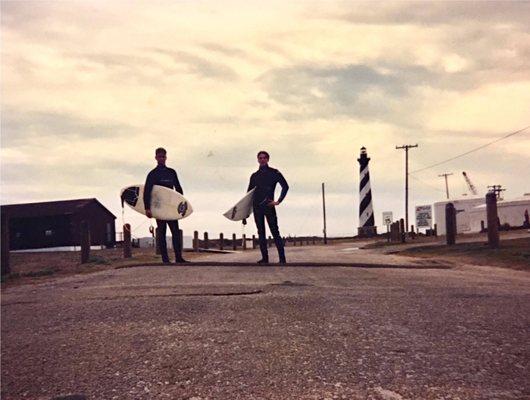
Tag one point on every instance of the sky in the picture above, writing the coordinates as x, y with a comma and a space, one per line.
90, 89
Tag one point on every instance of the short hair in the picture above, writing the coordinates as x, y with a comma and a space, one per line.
160, 150
263, 152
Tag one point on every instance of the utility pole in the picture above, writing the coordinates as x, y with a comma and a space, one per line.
324, 212
446, 184
406, 147
497, 189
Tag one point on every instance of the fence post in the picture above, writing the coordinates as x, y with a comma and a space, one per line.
244, 241
402, 230
492, 217
234, 243
450, 223
206, 244
181, 240
253, 241
435, 230
6, 269
127, 250
85, 241
221, 241
195, 241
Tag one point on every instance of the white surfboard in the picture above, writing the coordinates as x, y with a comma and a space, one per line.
166, 204
242, 209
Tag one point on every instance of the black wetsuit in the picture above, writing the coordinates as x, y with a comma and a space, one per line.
164, 176
265, 180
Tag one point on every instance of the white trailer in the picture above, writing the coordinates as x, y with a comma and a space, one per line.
510, 212
463, 208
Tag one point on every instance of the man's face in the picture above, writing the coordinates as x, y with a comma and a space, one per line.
161, 159
263, 160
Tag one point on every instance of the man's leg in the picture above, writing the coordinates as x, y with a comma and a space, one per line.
162, 239
272, 220
259, 218
175, 237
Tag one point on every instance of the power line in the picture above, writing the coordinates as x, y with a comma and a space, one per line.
471, 151
427, 184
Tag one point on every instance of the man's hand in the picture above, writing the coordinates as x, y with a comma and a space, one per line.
148, 213
273, 203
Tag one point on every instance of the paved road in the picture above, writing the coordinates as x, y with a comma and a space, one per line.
271, 332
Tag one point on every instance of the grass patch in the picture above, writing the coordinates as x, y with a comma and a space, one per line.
512, 253
98, 260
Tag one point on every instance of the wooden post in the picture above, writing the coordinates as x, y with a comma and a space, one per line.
85, 241
402, 230
482, 226
6, 269
314, 240
253, 241
195, 241
234, 242
206, 244
294, 241
435, 230
244, 241
127, 250
492, 217
221, 241
450, 224
157, 241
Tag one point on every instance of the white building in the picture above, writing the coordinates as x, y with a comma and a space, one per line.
463, 208
511, 212
471, 211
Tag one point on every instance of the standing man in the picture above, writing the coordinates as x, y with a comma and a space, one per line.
265, 180
164, 176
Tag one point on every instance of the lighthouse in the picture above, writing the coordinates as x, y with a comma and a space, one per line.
367, 226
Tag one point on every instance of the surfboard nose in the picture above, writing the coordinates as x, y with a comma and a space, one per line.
129, 195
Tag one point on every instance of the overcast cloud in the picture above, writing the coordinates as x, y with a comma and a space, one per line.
89, 89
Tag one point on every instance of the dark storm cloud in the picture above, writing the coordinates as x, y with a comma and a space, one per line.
19, 128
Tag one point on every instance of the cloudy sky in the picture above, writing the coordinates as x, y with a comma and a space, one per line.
90, 88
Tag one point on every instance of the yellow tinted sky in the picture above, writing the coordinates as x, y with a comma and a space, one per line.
89, 89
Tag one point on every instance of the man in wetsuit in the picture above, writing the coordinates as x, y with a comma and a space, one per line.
265, 180
164, 176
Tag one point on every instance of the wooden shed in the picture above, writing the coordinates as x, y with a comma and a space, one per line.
56, 223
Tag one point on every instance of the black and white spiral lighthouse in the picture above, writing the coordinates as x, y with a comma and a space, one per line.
367, 226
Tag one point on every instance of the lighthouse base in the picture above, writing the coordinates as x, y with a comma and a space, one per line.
367, 231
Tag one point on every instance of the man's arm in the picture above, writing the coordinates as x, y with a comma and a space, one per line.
176, 183
284, 185
251, 184
148, 187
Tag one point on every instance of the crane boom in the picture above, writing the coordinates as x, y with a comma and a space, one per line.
470, 185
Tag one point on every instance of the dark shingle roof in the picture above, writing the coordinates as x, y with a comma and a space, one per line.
48, 208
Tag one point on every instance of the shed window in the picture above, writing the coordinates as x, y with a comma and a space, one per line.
48, 232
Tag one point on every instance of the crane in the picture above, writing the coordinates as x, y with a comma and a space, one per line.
470, 185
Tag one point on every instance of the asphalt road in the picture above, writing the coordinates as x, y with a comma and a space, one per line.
271, 332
